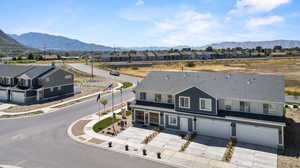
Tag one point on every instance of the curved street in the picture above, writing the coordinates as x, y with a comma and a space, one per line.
42, 141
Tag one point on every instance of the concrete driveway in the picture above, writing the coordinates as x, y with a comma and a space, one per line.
135, 134
166, 140
254, 156
208, 147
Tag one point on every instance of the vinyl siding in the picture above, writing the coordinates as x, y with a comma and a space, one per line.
195, 94
150, 96
255, 107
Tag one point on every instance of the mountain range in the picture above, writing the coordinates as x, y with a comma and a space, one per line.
254, 44
60, 43
8, 45
57, 43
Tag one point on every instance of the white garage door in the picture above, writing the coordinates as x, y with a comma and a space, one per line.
3, 95
215, 128
257, 135
17, 97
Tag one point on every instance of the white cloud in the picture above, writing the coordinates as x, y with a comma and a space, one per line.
139, 2
263, 21
253, 6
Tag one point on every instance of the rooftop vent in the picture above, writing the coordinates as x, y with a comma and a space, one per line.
249, 82
167, 77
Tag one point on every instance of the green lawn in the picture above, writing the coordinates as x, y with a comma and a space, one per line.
104, 123
126, 85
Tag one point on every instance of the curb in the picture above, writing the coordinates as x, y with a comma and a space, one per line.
8, 166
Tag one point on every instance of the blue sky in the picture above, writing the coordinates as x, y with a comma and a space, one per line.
154, 22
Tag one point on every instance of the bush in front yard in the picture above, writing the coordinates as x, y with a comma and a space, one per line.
104, 123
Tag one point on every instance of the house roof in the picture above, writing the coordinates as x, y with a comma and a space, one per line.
16, 70
266, 88
13, 70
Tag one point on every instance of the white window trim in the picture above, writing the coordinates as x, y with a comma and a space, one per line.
173, 124
140, 97
189, 103
205, 99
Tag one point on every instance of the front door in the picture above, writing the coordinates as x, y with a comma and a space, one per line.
184, 125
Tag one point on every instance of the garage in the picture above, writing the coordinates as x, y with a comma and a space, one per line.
17, 97
3, 95
257, 135
214, 128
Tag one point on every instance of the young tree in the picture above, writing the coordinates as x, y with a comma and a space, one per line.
103, 102
30, 56
209, 48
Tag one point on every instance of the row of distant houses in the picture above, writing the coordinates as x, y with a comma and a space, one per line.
184, 55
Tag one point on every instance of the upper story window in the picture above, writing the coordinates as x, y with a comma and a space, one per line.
157, 98
184, 102
205, 104
228, 104
68, 76
267, 108
170, 99
143, 96
244, 106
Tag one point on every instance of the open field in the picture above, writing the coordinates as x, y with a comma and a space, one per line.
289, 67
82, 80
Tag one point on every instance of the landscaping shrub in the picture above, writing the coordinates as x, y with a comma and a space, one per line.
151, 136
189, 64
104, 123
229, 151
134, 68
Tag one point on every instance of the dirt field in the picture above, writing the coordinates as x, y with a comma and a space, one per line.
290, 68
82, 80
290, 158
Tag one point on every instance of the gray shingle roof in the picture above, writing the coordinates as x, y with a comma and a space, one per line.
269, 88
12, 70
29, 70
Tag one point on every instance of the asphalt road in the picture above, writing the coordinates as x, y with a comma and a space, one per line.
42, 141
87, 68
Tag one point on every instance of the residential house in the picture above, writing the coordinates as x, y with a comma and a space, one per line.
33, 84
245, 107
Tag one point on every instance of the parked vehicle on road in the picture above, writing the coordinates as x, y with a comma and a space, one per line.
114, 73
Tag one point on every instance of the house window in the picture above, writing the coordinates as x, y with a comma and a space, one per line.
184, 102
205, 104
267, 108
170, 99
142, 96
228, 104
173, 120
244, 106
47, 79
158, 98
68, 76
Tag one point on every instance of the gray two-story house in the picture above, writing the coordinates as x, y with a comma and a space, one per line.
246, 107
34, 84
